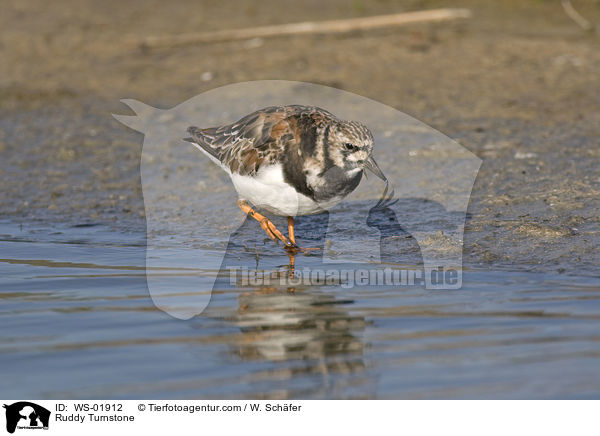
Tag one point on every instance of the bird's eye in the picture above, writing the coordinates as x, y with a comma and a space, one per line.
350, 146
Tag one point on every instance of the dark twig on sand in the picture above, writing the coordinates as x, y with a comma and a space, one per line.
576, 16
309, 27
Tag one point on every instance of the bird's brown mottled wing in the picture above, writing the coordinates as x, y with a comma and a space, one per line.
257, 139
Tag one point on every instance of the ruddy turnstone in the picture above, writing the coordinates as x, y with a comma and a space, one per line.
289, 160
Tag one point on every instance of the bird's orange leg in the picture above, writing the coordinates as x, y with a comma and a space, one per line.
266, 224
292, 266
291, 229
293, 236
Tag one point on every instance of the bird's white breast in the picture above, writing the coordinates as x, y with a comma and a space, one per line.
268, 190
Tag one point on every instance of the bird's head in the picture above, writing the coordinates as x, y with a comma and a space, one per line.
351, 148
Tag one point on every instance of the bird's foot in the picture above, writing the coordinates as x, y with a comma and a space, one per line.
274, 233
266, 224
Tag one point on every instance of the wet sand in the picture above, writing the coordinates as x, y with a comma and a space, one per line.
517, 84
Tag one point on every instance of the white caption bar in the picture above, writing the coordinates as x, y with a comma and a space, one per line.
264, 418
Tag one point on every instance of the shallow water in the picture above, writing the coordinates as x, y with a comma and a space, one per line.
78, 322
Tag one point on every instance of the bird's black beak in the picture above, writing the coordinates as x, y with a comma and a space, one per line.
372, 166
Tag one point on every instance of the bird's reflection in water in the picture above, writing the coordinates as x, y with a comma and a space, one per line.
280, 324
308, 325
307, 334
306, 329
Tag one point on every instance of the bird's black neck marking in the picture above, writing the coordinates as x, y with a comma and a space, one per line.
308, 135
296, 152
337, 182
294, 175
326, 156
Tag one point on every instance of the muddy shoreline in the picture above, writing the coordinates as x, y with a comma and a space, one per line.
518, 85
